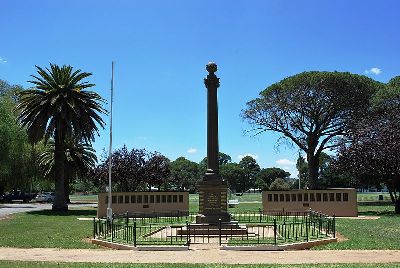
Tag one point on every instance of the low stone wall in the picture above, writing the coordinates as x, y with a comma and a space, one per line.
335, 201
145, 203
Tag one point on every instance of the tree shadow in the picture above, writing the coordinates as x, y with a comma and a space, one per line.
378, 213
74, 212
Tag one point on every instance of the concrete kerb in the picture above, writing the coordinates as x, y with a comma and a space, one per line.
294, 246
113, 245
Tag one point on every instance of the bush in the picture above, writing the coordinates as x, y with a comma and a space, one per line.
280, 185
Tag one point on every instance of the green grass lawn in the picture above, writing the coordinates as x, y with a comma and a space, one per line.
46, 229
372, 196
83, 198
382, 233
247, 202
19, 264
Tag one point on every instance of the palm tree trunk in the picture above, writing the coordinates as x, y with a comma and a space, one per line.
59, 162
67, 176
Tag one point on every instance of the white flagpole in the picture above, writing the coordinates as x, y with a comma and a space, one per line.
109, 209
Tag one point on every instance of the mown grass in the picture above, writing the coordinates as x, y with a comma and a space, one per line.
47, 229
372, 196
382, 233
83, 198
19, 264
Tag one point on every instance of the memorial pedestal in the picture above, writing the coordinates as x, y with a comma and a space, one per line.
213, 203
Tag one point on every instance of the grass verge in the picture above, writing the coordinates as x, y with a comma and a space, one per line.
47, 229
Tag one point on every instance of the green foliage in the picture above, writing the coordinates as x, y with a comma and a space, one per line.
251, 169
370, 149
184, 174
233, 173
18, 168
60, 103
389, 92
268, 175
223, 159
79, 159
311, 110
60, 107
279, 185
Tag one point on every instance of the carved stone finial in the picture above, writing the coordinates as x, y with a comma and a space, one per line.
211, 67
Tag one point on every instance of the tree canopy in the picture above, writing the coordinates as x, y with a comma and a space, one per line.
268, 175
250, 169
60, 107
371, 149
311, 110
18, 167
184, 174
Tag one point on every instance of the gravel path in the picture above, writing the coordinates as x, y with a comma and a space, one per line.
200, 255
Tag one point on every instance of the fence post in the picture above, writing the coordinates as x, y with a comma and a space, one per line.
94, 227
307, 229
187, 234
220, 231
334, 226
275, 232
134, 233
260, 211
112, 229
126, 227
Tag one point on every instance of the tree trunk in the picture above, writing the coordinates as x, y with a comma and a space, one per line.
397, 206
313, 163
395, 199
59, 162
67, 176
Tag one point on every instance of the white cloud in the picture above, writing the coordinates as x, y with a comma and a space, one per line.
373, 70
3, 60
192, 151
285, 162
248, 154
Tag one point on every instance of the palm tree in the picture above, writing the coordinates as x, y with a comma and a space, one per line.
60, 107
80, 157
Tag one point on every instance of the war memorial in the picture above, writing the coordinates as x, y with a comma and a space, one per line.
288, 220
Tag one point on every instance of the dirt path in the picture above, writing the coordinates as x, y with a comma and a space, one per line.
200, 255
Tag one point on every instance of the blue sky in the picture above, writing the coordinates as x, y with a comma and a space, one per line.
161, 49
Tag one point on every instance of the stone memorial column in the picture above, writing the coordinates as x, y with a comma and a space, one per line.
212, 189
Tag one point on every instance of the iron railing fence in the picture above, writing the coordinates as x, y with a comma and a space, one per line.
268, 216
130, 233
246, 228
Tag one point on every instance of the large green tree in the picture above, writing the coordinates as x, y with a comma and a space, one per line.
61, 107
371, 149
18, 167
184, 174
233, 173
80, 158
251, 169
268, 175
311, 110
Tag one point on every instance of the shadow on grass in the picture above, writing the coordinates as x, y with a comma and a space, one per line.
74, 212
378, 213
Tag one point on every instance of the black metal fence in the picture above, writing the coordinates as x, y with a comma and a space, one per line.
246, 228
